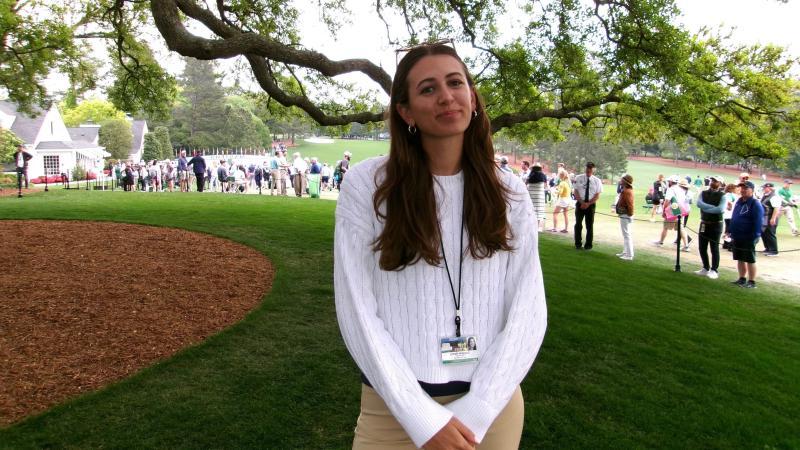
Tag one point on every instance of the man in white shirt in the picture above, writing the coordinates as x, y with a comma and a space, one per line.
299, 168
587, 189
21, 158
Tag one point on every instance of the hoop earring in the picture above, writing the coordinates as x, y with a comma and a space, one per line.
412, 130
475, 114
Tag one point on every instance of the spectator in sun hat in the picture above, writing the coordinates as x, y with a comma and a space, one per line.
772, 211
674, 195
748, 214
625, 210
712, 206
788, 204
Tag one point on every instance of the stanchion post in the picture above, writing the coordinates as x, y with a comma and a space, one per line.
19, 183
678, 247
46, 189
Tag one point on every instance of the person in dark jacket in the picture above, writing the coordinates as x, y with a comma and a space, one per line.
748, 214
712, 204
198, 164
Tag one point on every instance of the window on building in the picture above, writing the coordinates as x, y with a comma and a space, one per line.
51, 164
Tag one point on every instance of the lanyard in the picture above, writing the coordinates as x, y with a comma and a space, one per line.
456, 299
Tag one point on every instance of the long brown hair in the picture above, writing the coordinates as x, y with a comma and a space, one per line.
411, 230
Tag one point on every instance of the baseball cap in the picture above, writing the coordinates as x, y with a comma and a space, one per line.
747, 184
788, 181
768, 184
716, 178
673, 179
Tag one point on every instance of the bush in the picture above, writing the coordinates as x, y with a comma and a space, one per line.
78, 173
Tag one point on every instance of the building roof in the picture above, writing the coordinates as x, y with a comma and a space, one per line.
137, 127
24, 126
64, 145
84, 134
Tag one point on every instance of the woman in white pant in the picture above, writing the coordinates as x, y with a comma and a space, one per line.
625, 212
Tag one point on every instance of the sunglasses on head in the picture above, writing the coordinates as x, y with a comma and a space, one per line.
404, 50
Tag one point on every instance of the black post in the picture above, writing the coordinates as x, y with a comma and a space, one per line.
678, 247
87, 181
19, 182
46, 189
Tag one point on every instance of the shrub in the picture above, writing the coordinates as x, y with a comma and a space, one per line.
78, 173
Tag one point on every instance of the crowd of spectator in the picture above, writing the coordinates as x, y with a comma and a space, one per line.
273, 172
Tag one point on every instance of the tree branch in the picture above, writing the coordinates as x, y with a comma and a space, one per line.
235, 43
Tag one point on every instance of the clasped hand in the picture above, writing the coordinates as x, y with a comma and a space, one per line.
453, 436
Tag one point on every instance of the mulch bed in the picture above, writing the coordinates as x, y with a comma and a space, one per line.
84, 304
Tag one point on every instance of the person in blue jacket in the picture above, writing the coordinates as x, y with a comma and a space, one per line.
748, 214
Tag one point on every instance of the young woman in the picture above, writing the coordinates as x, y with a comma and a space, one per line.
418, 271
563, 201
625, 210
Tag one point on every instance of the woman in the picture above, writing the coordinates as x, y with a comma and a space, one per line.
563, 200
659, 190
404, 250
537, 182
169, 176
625, 210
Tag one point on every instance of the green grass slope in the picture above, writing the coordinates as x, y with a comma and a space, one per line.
635, 354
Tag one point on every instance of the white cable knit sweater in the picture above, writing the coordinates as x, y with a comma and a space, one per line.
392, 322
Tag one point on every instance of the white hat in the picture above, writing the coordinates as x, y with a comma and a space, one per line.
673, 179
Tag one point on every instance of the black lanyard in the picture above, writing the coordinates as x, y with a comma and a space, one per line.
456, 299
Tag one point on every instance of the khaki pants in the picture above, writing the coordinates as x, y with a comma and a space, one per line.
377, 429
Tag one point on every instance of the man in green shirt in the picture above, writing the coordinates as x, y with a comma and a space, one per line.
788, 205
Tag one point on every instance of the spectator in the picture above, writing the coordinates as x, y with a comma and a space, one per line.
625, 211
587, 189
563, 201
731, 196
169, 176
198, 164
183, 172
772, 211
788, 204
504, 165
659, 190
537, 182
299, 168
712, 203
748, 214
325, 173
674, 206
343, 168
21, 159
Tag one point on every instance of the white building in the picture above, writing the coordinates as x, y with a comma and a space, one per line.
55, 148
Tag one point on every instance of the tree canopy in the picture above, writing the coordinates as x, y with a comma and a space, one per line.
626, 66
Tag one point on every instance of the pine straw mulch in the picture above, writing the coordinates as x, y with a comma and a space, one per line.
84, 304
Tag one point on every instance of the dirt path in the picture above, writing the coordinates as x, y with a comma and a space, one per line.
84, 304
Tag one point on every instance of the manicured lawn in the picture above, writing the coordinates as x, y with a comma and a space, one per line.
635, 354
330, 153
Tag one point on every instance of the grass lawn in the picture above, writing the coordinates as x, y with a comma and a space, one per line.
330, 153
635, 355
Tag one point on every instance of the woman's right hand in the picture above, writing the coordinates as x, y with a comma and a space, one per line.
453, 436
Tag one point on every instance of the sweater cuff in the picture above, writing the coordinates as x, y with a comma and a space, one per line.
423, 423
475, 413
